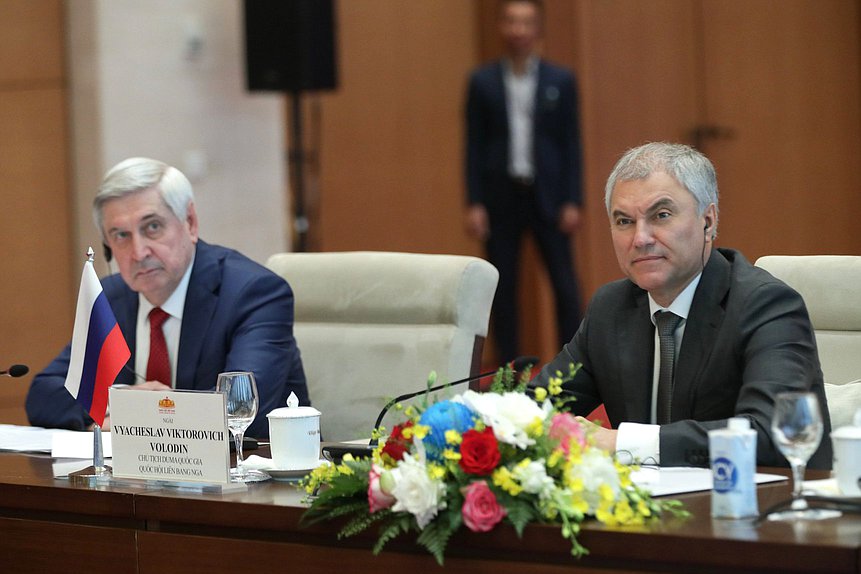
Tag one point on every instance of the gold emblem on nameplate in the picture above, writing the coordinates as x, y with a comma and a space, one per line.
166, 406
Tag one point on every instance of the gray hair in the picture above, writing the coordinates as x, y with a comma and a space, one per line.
691, 169
140, 173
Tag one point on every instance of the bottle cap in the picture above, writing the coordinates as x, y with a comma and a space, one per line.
738, 424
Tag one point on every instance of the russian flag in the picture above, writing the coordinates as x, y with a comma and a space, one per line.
99, 350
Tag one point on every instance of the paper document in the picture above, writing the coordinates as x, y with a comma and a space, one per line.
56, 442
671, 480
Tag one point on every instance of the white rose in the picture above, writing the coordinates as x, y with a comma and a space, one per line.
416, 492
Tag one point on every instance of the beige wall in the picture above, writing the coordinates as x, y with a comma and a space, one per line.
391, 144
139, 87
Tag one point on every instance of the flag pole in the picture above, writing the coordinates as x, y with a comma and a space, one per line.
98, 472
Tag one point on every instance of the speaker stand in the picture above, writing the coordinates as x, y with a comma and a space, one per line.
296, 165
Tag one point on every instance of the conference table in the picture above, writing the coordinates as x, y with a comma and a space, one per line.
51, 525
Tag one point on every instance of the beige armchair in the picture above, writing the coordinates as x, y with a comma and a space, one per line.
831, 288
373, 325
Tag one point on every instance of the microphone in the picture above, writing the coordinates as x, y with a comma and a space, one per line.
15, 371
518, 364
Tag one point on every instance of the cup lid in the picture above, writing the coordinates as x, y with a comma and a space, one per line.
293, 413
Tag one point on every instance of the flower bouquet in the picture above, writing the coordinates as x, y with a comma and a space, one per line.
478, 460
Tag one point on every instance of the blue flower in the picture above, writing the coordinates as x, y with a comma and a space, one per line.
441, 417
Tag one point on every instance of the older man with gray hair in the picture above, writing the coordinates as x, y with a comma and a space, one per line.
695, 334
187, 309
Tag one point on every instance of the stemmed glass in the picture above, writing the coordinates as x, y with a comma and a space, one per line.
242, 401
796, 428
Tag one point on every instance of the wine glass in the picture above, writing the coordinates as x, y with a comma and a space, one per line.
796, 428
242, 401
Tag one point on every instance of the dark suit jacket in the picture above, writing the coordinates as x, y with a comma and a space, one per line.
238, 317
556, 138
748, 337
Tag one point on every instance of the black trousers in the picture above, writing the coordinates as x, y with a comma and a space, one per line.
509, 221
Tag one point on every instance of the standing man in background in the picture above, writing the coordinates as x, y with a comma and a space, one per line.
523, 168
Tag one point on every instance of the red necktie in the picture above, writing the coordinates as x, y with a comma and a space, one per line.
158, 366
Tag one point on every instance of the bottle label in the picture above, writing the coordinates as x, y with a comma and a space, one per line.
725, 475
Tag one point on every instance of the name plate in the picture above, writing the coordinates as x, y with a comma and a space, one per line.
177, 436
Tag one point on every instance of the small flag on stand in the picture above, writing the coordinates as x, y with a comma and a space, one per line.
99, 350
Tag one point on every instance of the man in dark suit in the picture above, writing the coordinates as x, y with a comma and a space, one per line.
219, 311
523, 168
742, 336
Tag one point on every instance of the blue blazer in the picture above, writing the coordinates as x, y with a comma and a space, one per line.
238, 317
556, 138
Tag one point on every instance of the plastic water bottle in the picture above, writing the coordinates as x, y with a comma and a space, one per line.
733, 462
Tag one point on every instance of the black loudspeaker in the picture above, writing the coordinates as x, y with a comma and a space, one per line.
290, 45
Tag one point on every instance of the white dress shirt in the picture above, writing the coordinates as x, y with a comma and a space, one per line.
642, 442
171, 328
520, 93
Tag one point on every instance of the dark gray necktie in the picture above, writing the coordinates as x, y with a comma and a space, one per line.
666, 323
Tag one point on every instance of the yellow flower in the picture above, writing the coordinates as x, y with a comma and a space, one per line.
320, 475
623, 512
416, 431
453, 437
643, 508
554, 384
503, 479
535, 429
604, 514
540, 394
606, 493
436, 471
450, 454
579, 504
555, 458
524, 463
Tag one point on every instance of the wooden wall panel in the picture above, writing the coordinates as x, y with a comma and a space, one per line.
391, 148
31, 41
783, 77
37, 291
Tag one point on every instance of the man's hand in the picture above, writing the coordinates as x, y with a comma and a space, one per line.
569, 218
151, 386
604, 438
476, 222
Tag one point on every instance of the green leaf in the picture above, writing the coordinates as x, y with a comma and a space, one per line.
396, 525
435, 538
520, 513
362, 521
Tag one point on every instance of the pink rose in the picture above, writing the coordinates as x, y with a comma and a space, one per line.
481, 511
378, 499
565, 428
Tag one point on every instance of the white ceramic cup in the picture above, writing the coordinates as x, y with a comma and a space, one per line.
847, 459
294, 437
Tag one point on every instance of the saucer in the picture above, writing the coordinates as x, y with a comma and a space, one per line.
292, 475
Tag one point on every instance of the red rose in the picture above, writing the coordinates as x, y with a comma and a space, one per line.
479, 452
397, 445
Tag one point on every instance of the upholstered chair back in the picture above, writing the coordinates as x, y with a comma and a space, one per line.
373, 325
831, 288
